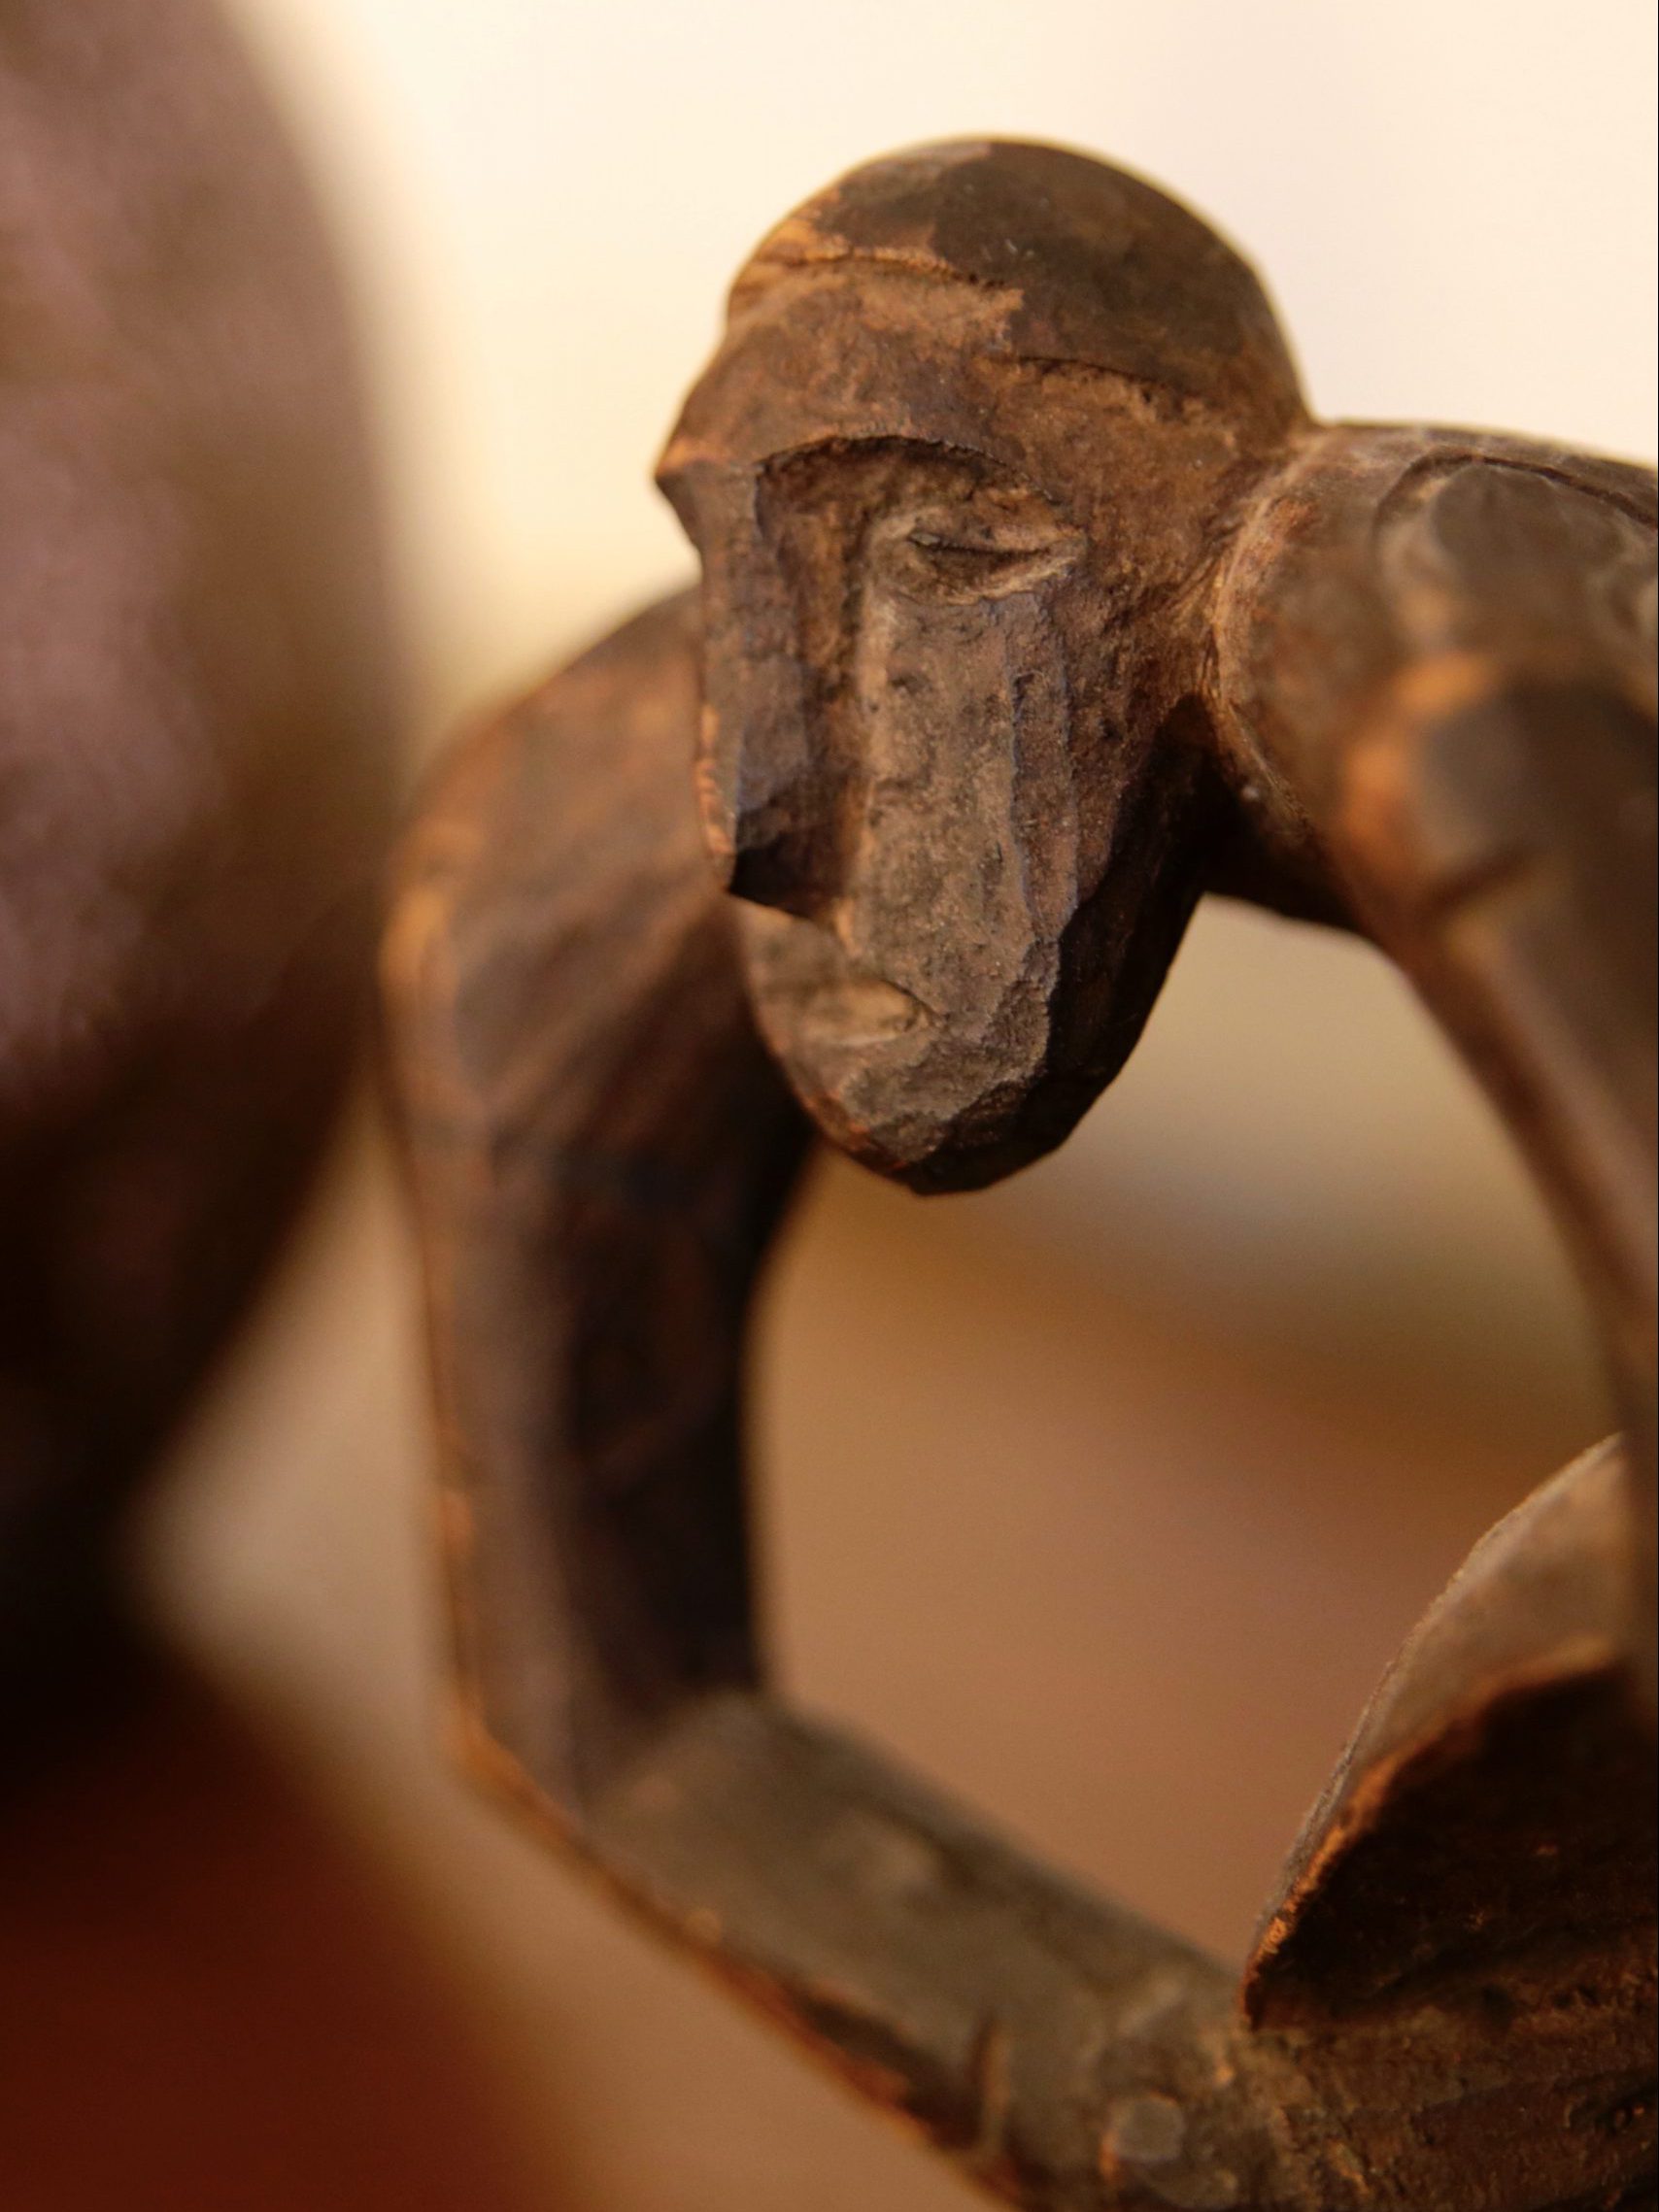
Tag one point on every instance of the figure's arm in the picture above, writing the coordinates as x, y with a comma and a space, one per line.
1443, 650
599, 1151
1439, 652
1500, 808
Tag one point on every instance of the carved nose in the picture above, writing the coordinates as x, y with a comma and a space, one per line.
772, 785
785, 865
774, 837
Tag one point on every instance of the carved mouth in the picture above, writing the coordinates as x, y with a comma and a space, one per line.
862, 1009
809, 983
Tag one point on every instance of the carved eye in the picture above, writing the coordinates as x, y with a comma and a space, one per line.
965, 557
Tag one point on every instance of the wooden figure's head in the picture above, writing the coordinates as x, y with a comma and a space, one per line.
961, 480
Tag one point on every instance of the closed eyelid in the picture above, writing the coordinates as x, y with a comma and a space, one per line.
1011, 543
971, 518
956, 557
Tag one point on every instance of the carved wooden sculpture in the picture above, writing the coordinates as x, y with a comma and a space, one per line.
195, 720
1034, 605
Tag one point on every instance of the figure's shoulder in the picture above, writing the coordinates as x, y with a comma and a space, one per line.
546, 831
639, 679
1506, 547
1377, 548
599, 732
1360, 515
1341, 477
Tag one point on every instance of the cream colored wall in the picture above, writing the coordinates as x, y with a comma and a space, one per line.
1104, 1494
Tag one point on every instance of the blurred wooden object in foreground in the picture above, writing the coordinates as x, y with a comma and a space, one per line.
205, 2001
197, 725
198, 2005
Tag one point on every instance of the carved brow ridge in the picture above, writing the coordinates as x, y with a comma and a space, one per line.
927, 452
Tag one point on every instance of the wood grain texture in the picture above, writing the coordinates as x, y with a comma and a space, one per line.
1035, 604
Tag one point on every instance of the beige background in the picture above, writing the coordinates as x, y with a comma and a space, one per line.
1103, 1496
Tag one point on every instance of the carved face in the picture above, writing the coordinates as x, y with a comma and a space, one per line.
951, 756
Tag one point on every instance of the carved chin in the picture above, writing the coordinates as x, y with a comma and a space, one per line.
884, 1084
937, 1097
985, 1140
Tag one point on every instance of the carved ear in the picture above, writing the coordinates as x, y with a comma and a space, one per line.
1495, 1797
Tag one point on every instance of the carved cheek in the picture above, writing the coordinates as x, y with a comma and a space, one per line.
962, 717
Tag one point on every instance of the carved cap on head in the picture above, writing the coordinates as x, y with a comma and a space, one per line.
1100, 269
952, 604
